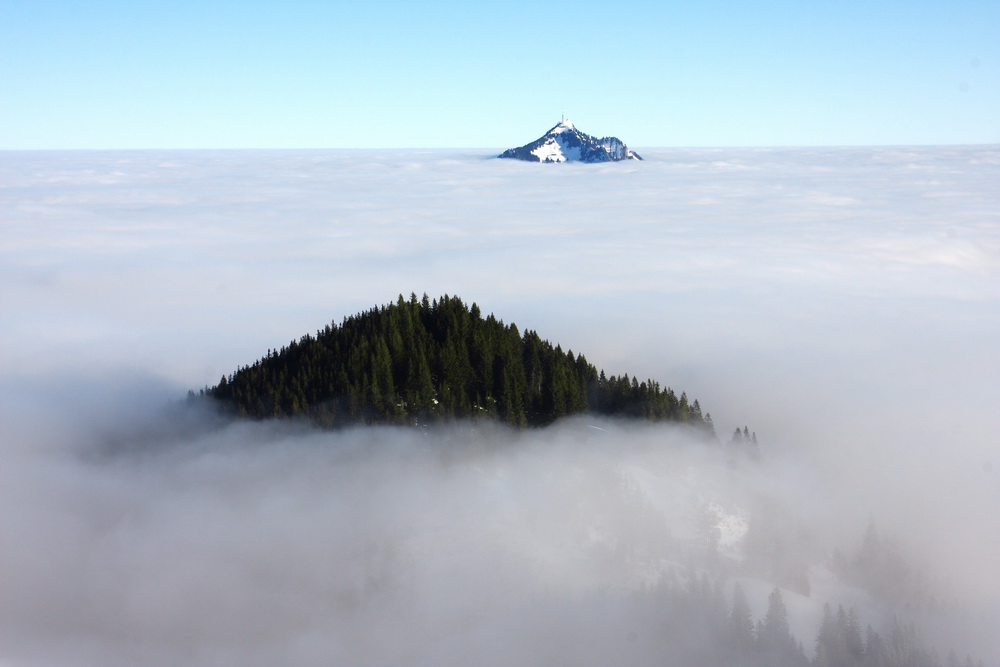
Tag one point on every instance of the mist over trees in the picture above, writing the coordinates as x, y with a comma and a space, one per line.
706, 621
713, 607
421, 360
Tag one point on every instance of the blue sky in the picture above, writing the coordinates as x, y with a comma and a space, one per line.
250, 74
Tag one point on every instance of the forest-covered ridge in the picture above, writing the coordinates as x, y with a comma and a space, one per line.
420, 360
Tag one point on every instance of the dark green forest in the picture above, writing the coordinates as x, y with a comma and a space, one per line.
421, 360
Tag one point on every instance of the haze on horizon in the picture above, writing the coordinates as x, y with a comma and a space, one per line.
843, 302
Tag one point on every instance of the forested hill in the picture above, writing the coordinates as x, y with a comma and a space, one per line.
419, 360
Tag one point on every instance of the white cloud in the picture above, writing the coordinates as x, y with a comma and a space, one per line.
845, 303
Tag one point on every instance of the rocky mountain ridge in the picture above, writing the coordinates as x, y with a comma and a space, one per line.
565, 143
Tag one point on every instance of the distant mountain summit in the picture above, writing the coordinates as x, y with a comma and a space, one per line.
565, 143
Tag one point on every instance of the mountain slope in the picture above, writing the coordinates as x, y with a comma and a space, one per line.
418, 360
565, 143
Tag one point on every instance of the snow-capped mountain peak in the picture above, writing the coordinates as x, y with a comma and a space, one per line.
565, 143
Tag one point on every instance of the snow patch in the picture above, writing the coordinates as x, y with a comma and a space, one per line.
569, 152
733, 526
550, 151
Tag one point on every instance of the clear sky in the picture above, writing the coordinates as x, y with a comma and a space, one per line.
375, 74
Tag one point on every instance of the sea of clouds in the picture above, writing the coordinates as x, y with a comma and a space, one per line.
842, 302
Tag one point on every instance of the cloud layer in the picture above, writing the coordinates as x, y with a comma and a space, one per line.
845, 303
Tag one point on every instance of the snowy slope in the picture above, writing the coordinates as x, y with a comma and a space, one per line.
565, 143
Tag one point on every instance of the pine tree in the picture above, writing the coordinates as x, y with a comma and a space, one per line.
741, 635
710, 426
828, 644
854, 645
775, 643
774, 630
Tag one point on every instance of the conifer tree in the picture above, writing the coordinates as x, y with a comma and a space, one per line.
741, 635
775, 643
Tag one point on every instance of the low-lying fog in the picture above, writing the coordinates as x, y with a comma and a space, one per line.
843, 303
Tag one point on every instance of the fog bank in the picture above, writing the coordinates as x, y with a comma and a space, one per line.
843, 303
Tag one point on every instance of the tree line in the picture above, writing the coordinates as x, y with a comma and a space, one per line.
726, 634
421, 360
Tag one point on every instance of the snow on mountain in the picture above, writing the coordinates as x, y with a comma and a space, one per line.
565, 143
